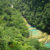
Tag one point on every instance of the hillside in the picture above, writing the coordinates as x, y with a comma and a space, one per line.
24, 25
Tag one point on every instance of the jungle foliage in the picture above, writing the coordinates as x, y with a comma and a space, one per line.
36, 12
13, 30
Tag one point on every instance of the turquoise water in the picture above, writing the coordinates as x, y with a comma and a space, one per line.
34, 32
47, 45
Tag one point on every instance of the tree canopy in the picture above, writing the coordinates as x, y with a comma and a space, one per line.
13, 30
36, 13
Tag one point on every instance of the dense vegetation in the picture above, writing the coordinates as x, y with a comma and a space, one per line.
13, 30
37, 13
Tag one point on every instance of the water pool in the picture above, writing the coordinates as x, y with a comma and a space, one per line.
34, 32
47, 45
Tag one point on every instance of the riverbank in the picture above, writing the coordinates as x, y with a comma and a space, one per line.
42, 37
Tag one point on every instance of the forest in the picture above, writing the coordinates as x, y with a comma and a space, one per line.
14, 34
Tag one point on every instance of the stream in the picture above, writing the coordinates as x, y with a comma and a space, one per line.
47, 44
35, 32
